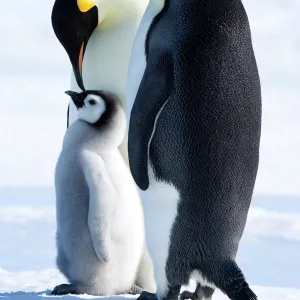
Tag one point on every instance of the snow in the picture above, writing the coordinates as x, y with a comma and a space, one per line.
38, 283
22, 214
31, 285
271, 224
34, 74
268, 253
29, 281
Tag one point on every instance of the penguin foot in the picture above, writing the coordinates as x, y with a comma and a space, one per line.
188, 295
185, 295
64, 289
135, 290
201, 293
147, 296
172, 294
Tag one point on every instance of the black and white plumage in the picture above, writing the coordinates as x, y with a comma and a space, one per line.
194, 140
100, 223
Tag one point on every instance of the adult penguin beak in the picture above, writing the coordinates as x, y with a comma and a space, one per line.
77, 65
73, 23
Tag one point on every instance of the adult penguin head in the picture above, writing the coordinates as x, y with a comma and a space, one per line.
73, 22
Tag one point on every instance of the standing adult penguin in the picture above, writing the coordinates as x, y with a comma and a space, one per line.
194, 142
100, 232
98, 37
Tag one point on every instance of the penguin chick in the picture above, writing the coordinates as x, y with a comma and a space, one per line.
100, 224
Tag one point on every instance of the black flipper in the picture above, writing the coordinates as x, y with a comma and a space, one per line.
153, 93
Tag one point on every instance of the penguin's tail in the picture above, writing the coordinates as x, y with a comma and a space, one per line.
228, 277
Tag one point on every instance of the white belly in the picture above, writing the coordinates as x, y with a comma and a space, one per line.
105, 67
106, 62
107, 56
160, 208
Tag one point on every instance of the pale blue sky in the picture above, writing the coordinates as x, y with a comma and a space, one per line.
35, 72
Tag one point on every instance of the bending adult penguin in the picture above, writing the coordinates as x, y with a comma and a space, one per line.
194, 141
100, 224
98, 37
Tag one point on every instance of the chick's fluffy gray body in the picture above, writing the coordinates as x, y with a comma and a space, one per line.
93, 183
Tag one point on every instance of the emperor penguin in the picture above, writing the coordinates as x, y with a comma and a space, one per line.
100, 222
98, 36
194, 138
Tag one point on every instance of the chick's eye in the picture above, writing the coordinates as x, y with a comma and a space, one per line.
92, 102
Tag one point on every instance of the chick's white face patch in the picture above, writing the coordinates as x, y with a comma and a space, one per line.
94, 107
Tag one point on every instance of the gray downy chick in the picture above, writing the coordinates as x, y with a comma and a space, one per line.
100, 224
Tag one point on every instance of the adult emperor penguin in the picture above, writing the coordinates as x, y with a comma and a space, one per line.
98, 37
194, 141
100, 223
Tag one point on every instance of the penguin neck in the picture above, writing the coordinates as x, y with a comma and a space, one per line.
121, 12
105, 135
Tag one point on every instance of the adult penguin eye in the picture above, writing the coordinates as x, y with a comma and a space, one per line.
92, 102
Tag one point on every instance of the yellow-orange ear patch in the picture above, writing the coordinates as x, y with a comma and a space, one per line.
85, 5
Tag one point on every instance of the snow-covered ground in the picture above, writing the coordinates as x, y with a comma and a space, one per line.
33, 75
31, 285
268, 254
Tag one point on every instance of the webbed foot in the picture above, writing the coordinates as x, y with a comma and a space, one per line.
64, 289
188, 295
201, 293
172, 294
147, 296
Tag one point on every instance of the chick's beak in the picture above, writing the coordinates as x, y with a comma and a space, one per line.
77, 98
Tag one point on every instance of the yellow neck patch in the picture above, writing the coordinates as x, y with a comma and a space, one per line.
85, 5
